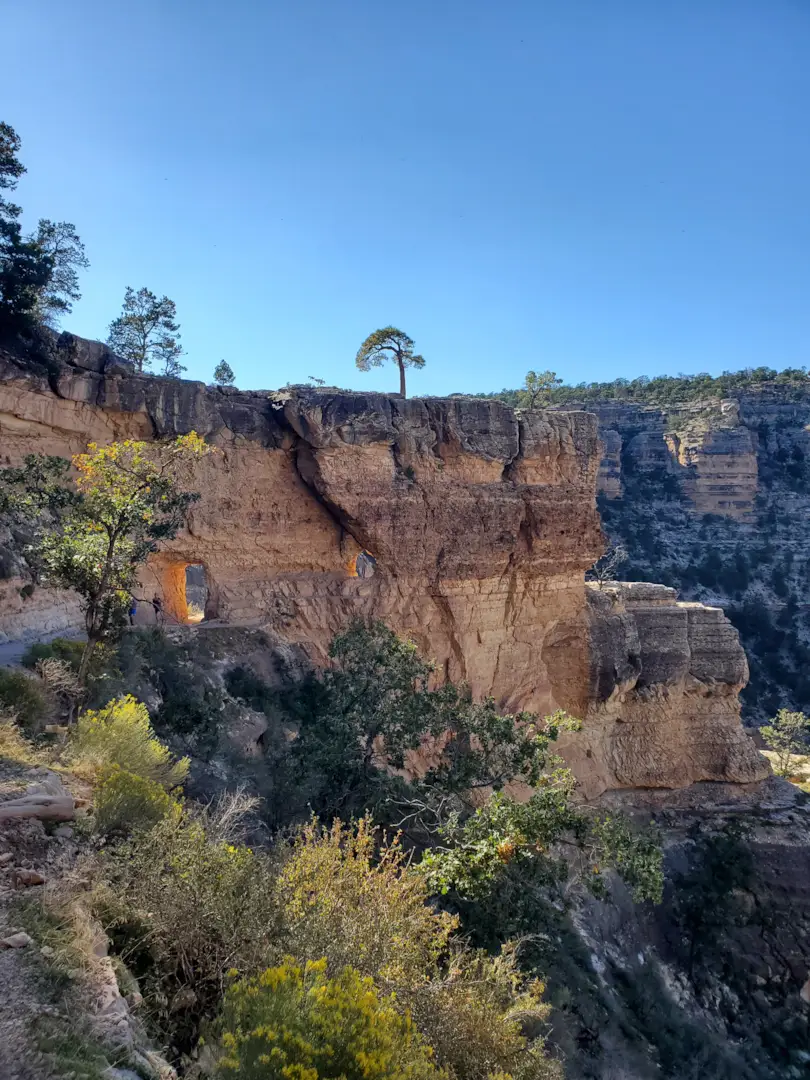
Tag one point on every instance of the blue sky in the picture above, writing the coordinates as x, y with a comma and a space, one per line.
600, 188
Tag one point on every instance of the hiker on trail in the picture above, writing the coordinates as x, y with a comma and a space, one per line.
133, 611
157, 604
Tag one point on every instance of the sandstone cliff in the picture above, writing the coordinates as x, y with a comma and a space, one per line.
480, 523
713, 498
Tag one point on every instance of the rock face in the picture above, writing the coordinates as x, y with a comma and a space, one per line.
663, 707
478, 524
713, 498
706, 450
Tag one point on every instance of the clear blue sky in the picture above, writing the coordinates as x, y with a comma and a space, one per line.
602, 187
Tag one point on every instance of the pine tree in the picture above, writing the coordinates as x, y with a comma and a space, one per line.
223, 374
24, 268
389, 344
147, 333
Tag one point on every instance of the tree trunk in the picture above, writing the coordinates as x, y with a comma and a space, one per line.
85, 660
401, 377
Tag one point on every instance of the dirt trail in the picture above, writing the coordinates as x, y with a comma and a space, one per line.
21, 989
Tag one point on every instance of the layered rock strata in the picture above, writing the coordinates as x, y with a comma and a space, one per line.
713, 498
478, 523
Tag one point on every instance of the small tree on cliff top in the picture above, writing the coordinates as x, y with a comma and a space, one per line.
537, 387
389, 344
788, 735
223, 374
93, 540
147, 332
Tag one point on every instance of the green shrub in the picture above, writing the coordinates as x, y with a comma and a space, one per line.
126, 803
21, 695
185, 908
58, 649
121, 734
345, 897
241, 683
298, 1023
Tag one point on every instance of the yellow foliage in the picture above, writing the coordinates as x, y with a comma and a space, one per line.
356, 902
126, 803
294, 1023
121, 734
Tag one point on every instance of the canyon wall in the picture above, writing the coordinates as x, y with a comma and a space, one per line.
479, 524
713, 498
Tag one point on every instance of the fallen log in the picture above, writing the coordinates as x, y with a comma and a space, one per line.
44, 807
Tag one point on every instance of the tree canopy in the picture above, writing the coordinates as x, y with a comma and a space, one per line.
670, 389
59, 241
223, 374
93, 539
24, 268
389, 344
39, 278
147, 333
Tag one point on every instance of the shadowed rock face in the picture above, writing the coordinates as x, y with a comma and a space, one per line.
481, 523
663, 704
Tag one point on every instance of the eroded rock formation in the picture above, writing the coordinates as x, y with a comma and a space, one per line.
480, 523
713, 498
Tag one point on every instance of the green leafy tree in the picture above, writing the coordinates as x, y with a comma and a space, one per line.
474, 853
60, 243
389, 344
298, 1022
537, 387
223, 374
360, 721
788, 735
147, 333
93, 540
364, 715
25, 269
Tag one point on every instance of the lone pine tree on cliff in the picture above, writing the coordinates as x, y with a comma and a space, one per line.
147, 332
389, 344
223, 374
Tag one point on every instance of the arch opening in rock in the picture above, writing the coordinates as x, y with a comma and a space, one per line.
362, 565
196, 588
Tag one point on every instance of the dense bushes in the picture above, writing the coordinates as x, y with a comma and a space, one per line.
343, 898
186, 901
121, 735
294, 1022
187, 907
126, 802
23, 697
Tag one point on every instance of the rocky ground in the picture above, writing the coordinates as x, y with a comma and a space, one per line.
62, 1014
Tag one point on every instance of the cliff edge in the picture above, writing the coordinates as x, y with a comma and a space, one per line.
477, 521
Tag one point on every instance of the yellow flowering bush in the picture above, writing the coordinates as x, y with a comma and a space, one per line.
121, 734
126, 803
294, 1023
347, 896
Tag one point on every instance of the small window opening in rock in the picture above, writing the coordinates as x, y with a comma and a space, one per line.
196, 592
364, 565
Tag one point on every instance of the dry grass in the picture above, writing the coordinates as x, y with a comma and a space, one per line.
14, 747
